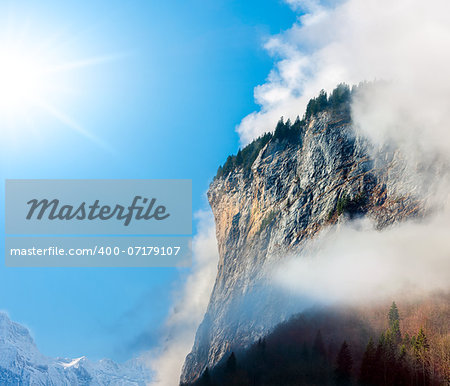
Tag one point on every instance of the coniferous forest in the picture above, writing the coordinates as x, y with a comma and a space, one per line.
289, 133
396, 345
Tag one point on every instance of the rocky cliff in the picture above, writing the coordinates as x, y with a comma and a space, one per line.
291, 192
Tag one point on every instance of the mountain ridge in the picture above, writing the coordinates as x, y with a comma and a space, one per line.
22, 363
290, 194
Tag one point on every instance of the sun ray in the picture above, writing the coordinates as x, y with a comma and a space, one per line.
70, 123
35, 71
83, 63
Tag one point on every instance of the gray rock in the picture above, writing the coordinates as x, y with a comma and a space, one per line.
292, 192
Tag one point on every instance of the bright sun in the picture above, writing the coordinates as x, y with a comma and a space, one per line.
35, 77
22, 81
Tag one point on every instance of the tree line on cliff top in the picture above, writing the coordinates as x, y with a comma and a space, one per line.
287, 132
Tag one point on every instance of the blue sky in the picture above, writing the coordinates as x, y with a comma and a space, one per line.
171, 81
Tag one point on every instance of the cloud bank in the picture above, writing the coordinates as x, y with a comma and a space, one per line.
189, 307
404, 42
406, 45
354, 263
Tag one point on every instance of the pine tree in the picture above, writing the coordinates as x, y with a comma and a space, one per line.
340, 95
231, 363
421, 348
318, 360
380, 361
394, 324
344, 364
262, 344
259, 362
319, 347
421, 342
402, 375
205, 379
239, 158
396, 333
219, 172
311, 109
393, 315
304, 353
322, 101
368, 366
280, 124
390, 356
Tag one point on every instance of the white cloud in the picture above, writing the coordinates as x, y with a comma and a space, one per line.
405, 41
354, 263
189, 307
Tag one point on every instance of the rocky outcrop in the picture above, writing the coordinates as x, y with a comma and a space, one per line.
292, 192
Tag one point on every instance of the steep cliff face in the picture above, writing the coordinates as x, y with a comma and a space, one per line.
292, 192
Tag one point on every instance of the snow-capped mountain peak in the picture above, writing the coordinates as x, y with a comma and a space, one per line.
21, 363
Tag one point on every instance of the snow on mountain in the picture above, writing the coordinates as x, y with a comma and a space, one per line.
21, 363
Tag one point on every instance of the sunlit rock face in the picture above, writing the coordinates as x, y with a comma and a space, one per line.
291, 193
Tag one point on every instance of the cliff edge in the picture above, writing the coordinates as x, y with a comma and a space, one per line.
297, 185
